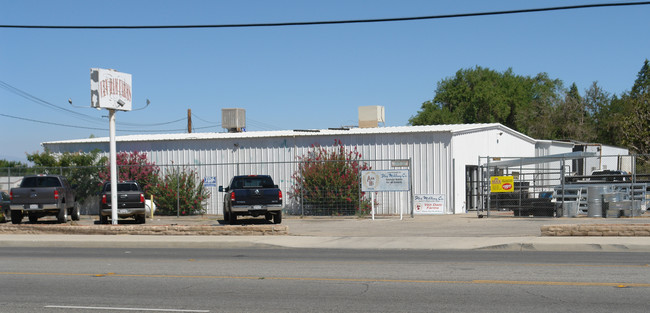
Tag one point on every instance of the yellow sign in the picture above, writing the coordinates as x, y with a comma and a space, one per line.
502, 184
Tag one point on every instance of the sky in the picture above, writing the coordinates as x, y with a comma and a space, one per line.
289, 77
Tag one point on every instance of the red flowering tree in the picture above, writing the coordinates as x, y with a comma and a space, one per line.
133, 166
180, 192
327, 181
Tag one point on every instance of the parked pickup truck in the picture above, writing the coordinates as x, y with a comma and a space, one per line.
42, 195
252, 195
130, 202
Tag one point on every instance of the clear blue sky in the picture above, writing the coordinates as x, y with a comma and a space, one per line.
288, 77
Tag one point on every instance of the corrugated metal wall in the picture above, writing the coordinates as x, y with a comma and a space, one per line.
429, 152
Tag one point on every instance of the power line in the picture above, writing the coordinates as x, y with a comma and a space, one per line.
30, 97
94, 128
209, 122
377, 20
44, 103
49, 123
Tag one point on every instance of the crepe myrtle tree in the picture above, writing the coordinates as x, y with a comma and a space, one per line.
180, 192
327, 179
133, 166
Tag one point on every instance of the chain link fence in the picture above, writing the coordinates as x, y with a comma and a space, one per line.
176, 187
570, 186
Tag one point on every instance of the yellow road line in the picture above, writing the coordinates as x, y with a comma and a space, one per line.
422, 281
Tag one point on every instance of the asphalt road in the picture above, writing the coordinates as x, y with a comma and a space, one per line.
320, 280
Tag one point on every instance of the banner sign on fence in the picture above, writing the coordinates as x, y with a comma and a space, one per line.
429, 204
385, 180
502, 184
210, 181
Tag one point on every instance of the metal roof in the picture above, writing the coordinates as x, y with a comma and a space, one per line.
543, 159
453, 129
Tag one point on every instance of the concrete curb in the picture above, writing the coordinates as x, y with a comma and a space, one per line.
164, 230
617, 230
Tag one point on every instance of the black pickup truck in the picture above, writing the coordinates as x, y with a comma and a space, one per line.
130, 202
253, 195
42, 195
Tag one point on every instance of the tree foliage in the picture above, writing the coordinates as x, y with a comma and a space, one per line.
636, 123
7, 166
543, 108
482, 95
572, 119
133, 166
327, 180
178, 189
180, 192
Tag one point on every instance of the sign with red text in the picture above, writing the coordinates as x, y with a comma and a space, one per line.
110, 89
502, 184
429, 204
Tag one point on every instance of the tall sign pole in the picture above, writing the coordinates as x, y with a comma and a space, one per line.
113, 153
111, 90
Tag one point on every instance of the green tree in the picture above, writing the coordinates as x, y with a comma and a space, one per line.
642, 83
14, 168
636, 122
133, 166
606, 114
534, 116
573, 118
482, 95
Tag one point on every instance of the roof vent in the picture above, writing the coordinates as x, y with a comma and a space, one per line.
371, 116
234, 120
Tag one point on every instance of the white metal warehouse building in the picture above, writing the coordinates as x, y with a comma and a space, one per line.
438, 155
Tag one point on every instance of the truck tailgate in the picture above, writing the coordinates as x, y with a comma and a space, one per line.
33, 196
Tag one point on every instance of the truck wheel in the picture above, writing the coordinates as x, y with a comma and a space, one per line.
16, 217
277, 218
226, 216
103, 219
140, 219
232, 218
268, 217
74, 214
62, 217
32, 218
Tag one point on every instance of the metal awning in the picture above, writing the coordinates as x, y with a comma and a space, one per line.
543, 159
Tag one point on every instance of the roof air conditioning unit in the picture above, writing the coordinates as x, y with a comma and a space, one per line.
371, 116
234, 120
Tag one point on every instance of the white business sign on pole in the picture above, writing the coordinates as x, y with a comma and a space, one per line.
110, 89
385, 180
429, 204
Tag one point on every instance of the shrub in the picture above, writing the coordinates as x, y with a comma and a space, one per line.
180, 192
133, 166
327, 181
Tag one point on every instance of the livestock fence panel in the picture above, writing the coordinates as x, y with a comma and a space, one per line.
558, 186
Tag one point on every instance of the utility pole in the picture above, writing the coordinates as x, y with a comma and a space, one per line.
189, 121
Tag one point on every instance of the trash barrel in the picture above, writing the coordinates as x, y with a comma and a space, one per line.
570, 209
595, 201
